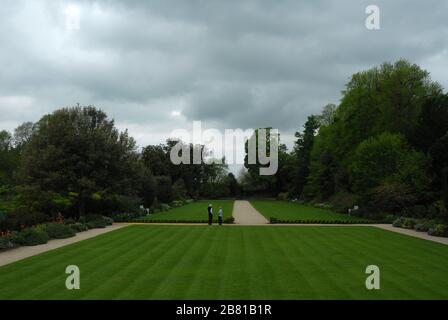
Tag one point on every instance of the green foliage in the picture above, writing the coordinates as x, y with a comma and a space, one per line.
187, 178
97, 224
390, 197
22, 217
372, 142
423, 226
398, 222
179, 190
302, 150
283, 196
58, 230
32, 237
176, 204
408, 223
79, 150
5, 242
439, 230
165, 207
262, 183
382, 159
342, 201
164, 189
109, 221
78, 227
148, 188
9, 158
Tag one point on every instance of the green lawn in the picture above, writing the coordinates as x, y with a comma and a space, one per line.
285, 210
235, 262
194, 211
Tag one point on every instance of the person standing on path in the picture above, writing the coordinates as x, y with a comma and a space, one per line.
210, 214
220, 216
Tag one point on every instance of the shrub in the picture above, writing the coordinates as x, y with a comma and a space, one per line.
79, 227
164, 189
283, 196
23, 217
398, 222
273, 220
324, 205
92, 217
229, 220
392, 197
417, 211
179, 190
177, 203
123, 217
32, 237
99, 223
69, 221
389, 218
422, 227
408, 223
165, 207
342, 201
109, 221
58, 231
5, 243
439, 230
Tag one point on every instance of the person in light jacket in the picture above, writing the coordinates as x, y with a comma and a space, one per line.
220, 216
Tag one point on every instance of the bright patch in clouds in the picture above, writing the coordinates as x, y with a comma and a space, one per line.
72, 17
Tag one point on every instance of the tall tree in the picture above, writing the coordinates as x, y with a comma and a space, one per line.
79, 151
302, 150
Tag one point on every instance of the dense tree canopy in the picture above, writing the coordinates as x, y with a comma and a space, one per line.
78, 151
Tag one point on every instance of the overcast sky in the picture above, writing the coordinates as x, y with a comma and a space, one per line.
155, 66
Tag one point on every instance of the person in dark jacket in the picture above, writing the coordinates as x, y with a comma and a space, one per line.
210, 214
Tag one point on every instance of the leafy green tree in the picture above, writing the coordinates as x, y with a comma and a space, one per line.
439, 156
328, 115
9, 158
164, 189
179, 190
262, 183
23, 134
388, 159
156, 159
432, 123
148, 187
285, 173
78, 150
232, 184
302, 150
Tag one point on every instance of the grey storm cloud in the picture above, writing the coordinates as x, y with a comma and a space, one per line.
156, 66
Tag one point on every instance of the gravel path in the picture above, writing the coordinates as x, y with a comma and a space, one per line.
245, 214
20, 253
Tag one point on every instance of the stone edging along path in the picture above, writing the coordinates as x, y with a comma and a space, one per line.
20, 253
